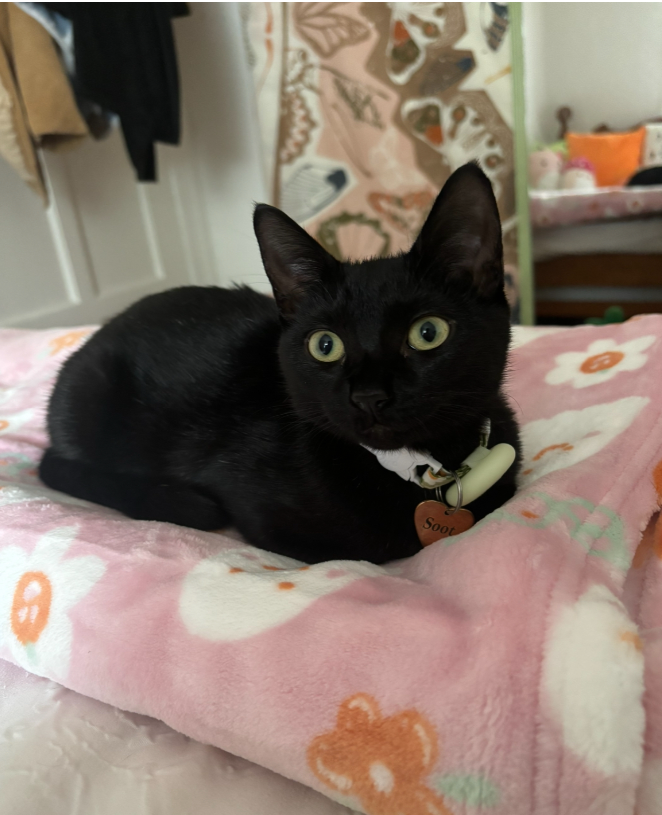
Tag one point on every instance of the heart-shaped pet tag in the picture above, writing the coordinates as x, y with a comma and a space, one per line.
434, 521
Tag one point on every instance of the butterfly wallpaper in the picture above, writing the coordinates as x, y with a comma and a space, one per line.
366, 108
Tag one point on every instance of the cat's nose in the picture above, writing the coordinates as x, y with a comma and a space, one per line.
371, 401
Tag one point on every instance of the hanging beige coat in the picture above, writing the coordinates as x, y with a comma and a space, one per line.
37, 105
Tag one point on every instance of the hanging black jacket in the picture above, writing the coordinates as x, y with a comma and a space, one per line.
126, 63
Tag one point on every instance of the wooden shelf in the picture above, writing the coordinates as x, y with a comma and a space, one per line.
625, 271
633, 271
580, 310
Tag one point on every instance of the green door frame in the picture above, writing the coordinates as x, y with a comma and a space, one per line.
527, 313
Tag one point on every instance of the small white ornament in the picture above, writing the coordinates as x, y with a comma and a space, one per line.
487, 467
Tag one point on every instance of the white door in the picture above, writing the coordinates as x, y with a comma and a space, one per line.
105, 240
103, 243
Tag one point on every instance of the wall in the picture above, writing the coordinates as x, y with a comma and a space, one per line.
221, 136
604, 60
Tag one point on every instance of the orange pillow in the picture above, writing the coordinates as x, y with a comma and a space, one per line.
616, 156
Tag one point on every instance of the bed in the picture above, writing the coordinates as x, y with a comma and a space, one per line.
515, 669
61, 752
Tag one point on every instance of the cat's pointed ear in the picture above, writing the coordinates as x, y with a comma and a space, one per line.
292, 259
462, 234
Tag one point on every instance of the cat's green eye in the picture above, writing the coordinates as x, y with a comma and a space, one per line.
325, 346
428, 333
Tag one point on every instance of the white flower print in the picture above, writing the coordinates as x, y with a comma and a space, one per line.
574, 435
593, 679
242, 592
601, 361
11, 422
37, 591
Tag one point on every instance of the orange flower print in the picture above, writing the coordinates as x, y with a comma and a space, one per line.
651, 540
381, 760
600, 362
563, 446
67, 340
37, 590
31, 606
650, 544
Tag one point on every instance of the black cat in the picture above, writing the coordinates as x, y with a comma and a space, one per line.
207, 407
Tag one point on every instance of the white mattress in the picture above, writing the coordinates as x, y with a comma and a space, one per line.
64, 754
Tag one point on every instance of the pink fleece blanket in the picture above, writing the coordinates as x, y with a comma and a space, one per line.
514, 669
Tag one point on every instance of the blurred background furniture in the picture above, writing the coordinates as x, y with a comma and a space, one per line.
587, 65
593, 249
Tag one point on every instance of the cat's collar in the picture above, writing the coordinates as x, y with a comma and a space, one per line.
478, 472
